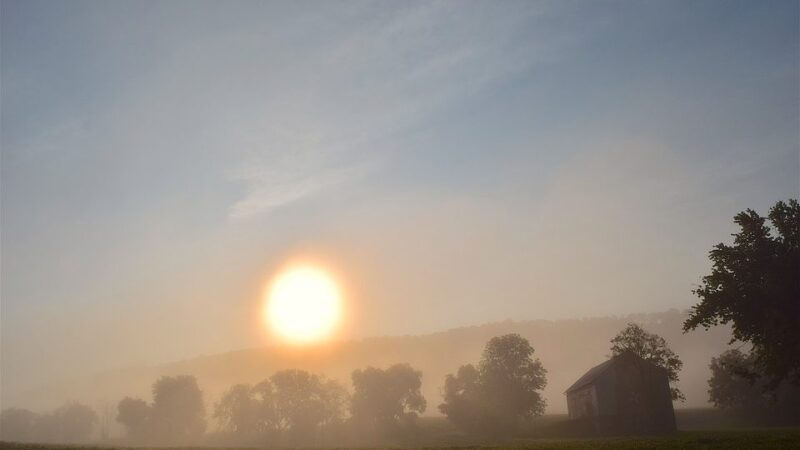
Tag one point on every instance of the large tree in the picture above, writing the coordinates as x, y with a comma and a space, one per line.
382, 398
246, 410
298, 404
650, 347
733, 384
76, 422
754, 285
502, 393
266, 408
134, 415
305, 403
736, 385
238, 410
178, 413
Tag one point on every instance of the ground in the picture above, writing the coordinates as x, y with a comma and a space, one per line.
699, 429
747, 439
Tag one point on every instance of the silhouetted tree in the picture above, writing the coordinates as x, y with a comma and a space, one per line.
305, 403
335, 399
178, 413
47, 428
76, 422
732, 384
512, 377
650, 347
736, 385
754, 286
502, 393
465, 399
385, 399
71, 423
134, 415
295, 403
237, 411
16, 425
267, 409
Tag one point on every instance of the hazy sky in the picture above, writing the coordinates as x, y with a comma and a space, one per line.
455, 163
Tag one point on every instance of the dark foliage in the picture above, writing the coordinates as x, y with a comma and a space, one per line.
305, 403
292, 406
76, 422
239, 411
650, 347
736, 385
499, 395
134, 415
755, 286
178, 413
387, 400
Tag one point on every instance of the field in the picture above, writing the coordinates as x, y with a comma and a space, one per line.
698, 429
745, 439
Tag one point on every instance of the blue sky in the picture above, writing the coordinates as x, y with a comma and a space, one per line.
476, 161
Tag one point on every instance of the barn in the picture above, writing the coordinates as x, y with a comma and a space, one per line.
625, 394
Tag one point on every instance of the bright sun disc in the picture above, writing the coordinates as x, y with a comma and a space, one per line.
303, 304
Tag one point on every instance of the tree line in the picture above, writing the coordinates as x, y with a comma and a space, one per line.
296, 407
754, 286
500, 394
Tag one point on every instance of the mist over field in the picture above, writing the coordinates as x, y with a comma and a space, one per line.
567, 348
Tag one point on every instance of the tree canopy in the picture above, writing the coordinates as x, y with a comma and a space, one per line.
384, 398
71, 423
754, 285
736, 385
178, 412
238, 410
501, 393
296, 403
650, 347
134, 415
76, 422
304, 401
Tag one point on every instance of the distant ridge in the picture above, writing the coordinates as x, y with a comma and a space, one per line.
567, 348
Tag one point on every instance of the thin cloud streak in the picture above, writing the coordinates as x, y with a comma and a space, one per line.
380, 80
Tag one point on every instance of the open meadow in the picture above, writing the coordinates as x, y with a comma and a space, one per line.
698, 429
777, 438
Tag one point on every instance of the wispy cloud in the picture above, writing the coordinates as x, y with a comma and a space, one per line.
270, 189
374, 76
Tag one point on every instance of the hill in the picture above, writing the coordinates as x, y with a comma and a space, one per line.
567, 348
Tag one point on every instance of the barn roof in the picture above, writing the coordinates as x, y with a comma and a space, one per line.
591, 375
598, 370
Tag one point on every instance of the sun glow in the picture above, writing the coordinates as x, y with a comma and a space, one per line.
303, 304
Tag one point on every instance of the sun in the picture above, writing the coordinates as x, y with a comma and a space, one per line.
303, 304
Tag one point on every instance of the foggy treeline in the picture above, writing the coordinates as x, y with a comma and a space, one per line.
566, 347
498, 394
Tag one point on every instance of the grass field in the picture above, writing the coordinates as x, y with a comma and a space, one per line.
699, 429
741, 439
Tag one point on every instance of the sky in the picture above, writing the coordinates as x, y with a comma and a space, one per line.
453, 163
